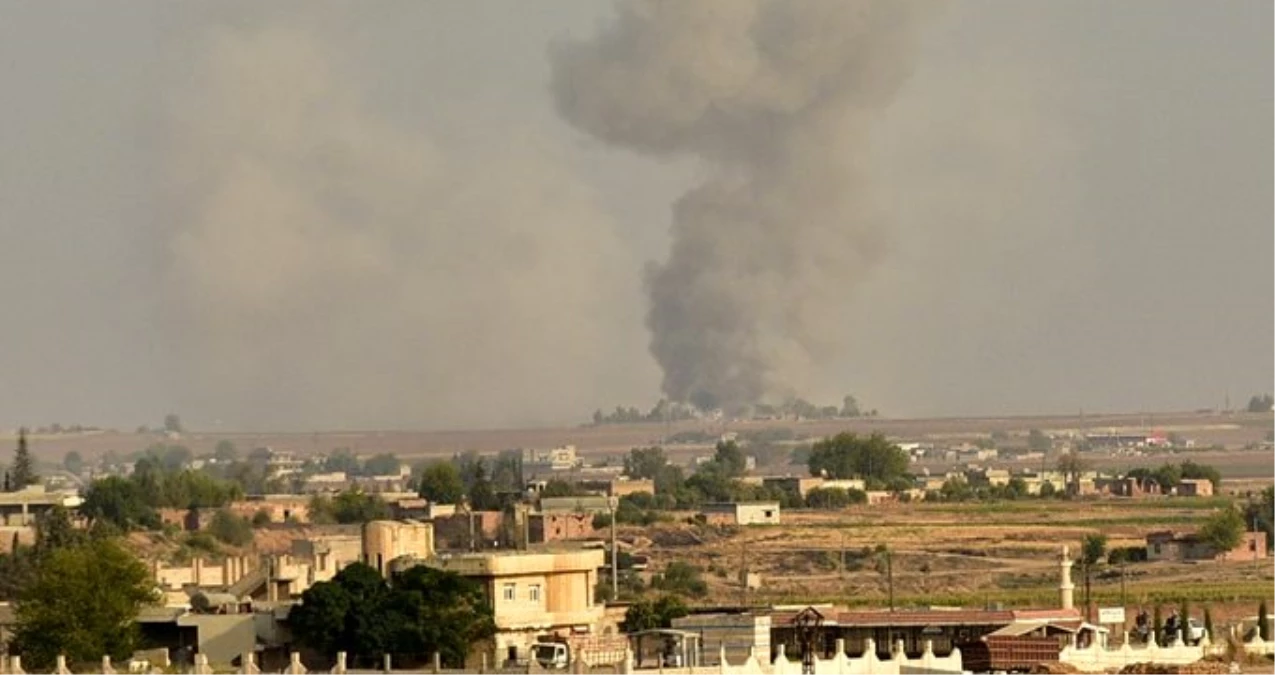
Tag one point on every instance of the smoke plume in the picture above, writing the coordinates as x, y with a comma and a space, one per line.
330, 266
775, 100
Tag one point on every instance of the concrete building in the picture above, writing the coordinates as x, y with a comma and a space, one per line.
465, 530
1195, 487
800, 485
550, 527
385, 541
619, 486
586, 504
532, 594
1183, 547
736, 633
328, 553
22, 508
538, 462
741, 513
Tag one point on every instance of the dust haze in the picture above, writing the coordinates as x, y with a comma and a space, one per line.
331, 263
473, 214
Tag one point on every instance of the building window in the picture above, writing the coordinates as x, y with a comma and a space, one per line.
508, 591
535, 592
1157, 549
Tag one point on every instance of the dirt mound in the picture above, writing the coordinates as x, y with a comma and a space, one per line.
1053, 668
1200, 667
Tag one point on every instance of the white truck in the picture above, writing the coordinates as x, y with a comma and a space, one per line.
558, 653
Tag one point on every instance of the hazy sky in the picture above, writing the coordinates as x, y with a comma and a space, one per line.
333, 215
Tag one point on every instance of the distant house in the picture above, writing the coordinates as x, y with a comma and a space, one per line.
559, 526
742, 513
1177, 547
585, 504
1195, 487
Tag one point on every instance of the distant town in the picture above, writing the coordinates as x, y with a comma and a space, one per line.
730, 546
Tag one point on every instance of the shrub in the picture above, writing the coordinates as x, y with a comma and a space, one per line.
230, 529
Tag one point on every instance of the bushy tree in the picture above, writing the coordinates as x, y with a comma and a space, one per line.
645, 462
1260, 403
1071, 466
440, 483
416, 613
730, 458
230, 528
557, 487
827, 498
1093, 548
173, 423
1223, 530
384, 464
1263, 621
681, 577
348, 507
1038, 441
83, 603
225, 451
121, 502
648, 614
73, 462
847, 455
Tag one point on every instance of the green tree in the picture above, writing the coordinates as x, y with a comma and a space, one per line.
828, 498
1047, 489
1208, 623
441, 483
416, 613
342, 459
83, 603
556, 487
54, 530
1093, 548
73, 462
730, 458
225, 451
1263, 621
1223, 530
1157, 621
1261, 403
645, 462
384, 464
850, 407
230, 528
659, 613
1038, 441
261, 518
172, 423
23, 472
482, 495
1071, 466
681, 577
348, 507
119, 501
849, 456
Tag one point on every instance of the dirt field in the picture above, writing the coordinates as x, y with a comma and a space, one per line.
1230, 430
956, 554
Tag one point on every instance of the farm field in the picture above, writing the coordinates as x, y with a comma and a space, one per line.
955, 554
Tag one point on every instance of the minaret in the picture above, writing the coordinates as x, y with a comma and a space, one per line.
1065, 587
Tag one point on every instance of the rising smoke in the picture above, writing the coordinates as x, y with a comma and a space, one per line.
330, 266
775, 99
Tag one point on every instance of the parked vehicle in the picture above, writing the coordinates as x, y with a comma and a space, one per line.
558, 653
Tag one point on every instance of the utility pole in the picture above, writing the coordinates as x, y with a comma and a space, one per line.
1122, 594
889, 575
614, 503
841, 560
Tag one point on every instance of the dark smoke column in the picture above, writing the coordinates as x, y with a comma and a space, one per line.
775, 99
